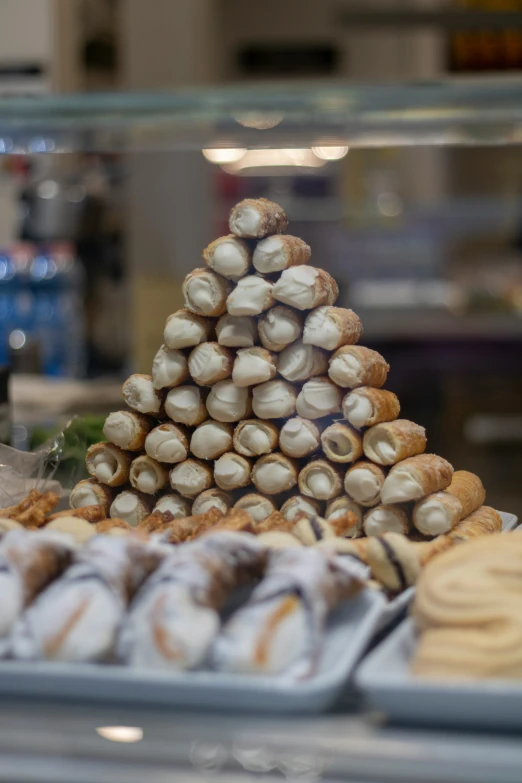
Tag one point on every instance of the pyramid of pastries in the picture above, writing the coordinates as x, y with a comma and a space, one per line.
261, 399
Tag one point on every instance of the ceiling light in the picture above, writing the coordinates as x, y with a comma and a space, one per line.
223, 155
120, 733
330, 153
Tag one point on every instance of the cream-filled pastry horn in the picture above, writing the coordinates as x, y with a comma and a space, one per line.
354, 365
341, 443
140, 395
386, 519
393, 441
363, 482
176, 505
212, 498
299, 505
254, 437
205, 292
228, 402
299, 437
191, 477
211, 439
131, 506
167, 443
186, 405
367, 406
257, 506
232, 471
416, 477
253, 366
319, 397
90, 492
256, 218
299, 362
147, 475
484, 521
251, 296
108, 464
274, 473
274, 400
127, 429
236, 331
338, 508
229, 256
184, 329
331, 327
321, 480
209, 363
169, 368
280, 326
305, 287
280, 251
439, 512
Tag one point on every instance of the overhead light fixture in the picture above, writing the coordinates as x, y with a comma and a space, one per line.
258, 120
276, 158
330, 152
120, 733
223, 155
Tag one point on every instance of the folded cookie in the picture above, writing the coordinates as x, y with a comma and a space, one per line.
305, 287
227, 402
367, 406
439, 513
394, 561
127, 429
391, 442
353, 366
318, 397
229, 257
331, 327
205, 292
236, 331
184, 329
108, 464
278, 327
256, 218
416, 477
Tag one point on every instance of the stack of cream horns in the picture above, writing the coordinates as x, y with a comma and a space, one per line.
260, 398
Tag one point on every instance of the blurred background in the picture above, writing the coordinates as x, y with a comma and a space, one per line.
424, 238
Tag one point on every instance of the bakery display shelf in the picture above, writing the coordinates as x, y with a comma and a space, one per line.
455, 111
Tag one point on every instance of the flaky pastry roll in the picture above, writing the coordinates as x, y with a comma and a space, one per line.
354, 365
258, 507
275, 521
90, 492
274, 473
311, 530
274, 399
331, 327
108, 464
209, 363
211, 439
232, 471
182, 529
394, 561
147, 475
127, 429
439, 513
253, 366
416, 477
305, 287
256, 218
186, 405
176, 505
191, 477
299, 437
367, 406
212, 498
79, 529
278, 252
299, 505
254, 437
280, 326
167, 443
251, 296
363, 482
319, 397
279, 539
341, 443
169, 368
184, 329
386, 519
205, 292
131, 506
228, 402
321, 480
299, 362
229, 257
340, 505
140, 395
484, 521
391, 442
236, 331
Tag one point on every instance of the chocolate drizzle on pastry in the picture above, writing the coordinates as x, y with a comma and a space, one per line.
395, 563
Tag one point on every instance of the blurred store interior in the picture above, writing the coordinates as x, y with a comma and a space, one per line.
425, 240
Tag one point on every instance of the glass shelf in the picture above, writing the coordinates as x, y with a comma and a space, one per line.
453, 112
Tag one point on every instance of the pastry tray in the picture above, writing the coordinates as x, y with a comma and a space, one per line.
350, 630
385, 681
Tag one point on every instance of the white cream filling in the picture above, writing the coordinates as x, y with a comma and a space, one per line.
363, 486
105, 466
317, 399
230, 472
246, 221
140, 394
249, 297
83, 496
269, 255
200, 294
237, 331
205, 362
358, 409
400, 486
272, 400
298, 505
165, 446
296, 439
296, 362
382, 520
119, 428
126, 506
378, 448
321, 330
345, 370
258, 507
338, 508
227, 402
183, 333
210, 440
273, 477
183, 404
250, 368
320, 483
202, 506
432, 519
254, 440
145, 479
177, 506
188, 478
168, 367
229, 260
279, 328
296, 286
